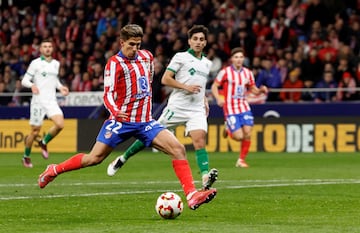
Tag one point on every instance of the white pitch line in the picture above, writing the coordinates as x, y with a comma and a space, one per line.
176, 182
272, 184
291, 184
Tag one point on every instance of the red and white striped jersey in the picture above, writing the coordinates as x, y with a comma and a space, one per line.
127, 86
235, 84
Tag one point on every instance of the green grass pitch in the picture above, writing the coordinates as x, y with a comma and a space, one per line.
315, 192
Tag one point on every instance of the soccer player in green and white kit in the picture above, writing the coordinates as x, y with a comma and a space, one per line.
42, 76
187, 73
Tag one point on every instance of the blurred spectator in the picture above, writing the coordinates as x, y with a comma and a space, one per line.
95, 85
245, 40
347, 53
293, 81
108, 20
4, 100
85, 83
270, 77
316, 10
294, 31
354, 36
326, 82
215, 67
256, 66
73, 32
307, 95
298, 22
75, 78
342, 68
327, 53
312, 67
281, 32
98, 73
283, 68
43, 19
292, 10
357, 73
9, 80
157, 87
349, 82
333, 38
315, 41
223, 44
16, 97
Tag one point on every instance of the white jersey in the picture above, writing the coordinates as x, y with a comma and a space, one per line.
189, 70
44, 75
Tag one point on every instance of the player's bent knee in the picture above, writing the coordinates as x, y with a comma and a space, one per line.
35, 132
60, 126
178, 151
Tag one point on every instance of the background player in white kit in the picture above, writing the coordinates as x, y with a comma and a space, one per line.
42, 77
187, 73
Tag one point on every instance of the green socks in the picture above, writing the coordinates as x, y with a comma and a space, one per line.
27, 152
202, 160
47, 138
133, 149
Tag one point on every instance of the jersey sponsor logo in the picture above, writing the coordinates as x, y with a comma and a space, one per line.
248, 117
143, 83
240, 93
193, 71
143, 86
142, 95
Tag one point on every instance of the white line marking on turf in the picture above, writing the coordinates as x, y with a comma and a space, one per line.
176, 182
267, 184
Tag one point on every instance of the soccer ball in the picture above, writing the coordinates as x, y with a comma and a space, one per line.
169, 205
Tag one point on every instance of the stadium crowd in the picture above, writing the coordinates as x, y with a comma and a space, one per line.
288, 43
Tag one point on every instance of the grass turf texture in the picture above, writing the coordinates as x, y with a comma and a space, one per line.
278, 193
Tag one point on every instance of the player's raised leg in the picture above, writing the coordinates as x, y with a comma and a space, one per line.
117, 163
98, 153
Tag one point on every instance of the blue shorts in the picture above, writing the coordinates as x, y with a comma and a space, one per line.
237, 121
112, 132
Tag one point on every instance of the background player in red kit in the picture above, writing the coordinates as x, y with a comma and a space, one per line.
127, 96
236, 80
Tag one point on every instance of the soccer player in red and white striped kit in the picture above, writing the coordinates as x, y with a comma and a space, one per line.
236, 80
127, 97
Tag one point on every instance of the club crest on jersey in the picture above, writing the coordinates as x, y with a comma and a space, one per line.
108, 134
192, 71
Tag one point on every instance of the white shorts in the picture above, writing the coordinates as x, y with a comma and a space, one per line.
38, 112
192, 120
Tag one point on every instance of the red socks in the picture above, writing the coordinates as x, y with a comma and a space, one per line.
245, 145
72, 163
183, 172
